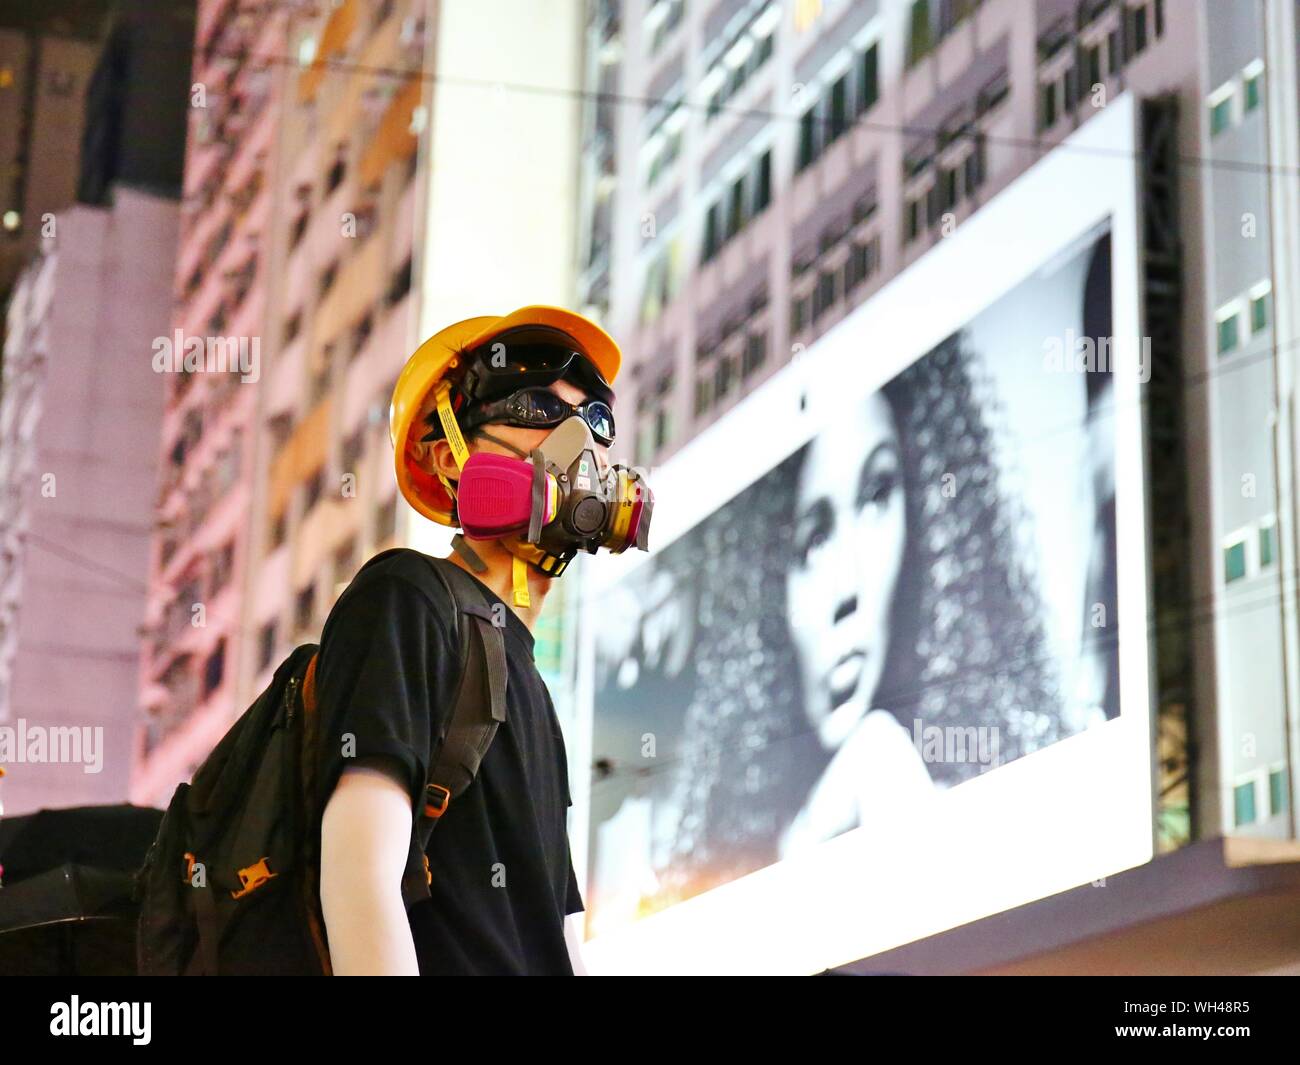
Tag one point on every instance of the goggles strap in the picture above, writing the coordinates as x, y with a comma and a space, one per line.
461, 546
503, 443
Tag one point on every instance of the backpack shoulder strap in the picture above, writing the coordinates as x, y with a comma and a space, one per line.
478, 709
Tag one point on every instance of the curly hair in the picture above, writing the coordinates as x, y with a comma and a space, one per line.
966, 644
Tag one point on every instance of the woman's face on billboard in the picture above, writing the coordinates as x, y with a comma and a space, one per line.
850, 529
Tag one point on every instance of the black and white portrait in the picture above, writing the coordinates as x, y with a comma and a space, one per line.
871, 621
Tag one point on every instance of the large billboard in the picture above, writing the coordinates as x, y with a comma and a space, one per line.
886, 669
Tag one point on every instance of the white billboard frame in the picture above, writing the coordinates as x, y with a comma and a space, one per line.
980, 851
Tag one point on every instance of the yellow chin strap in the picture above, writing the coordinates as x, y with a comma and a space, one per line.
459, 450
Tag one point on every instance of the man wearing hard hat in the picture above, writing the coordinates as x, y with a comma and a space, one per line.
501, 428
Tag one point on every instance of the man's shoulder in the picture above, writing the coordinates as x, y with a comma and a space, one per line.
409, 571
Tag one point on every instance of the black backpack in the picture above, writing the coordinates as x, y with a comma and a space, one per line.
230, 885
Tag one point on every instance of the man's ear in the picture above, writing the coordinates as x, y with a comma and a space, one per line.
438, 458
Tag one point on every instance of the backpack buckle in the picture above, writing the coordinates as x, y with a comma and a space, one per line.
253, 878
436, 804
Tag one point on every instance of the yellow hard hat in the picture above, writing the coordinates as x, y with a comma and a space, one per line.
413, 395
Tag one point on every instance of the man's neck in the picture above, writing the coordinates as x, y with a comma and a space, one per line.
500, 578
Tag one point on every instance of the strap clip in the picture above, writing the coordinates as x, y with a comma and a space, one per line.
253, 878
440, 797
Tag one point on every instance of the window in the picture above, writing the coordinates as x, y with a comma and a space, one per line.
722, 377
933, 209
763, 182
839, 110
755, 353
1047, 105
1276, 792
385, 521
823, 294
400, 284
353, 448
1092, 64
1259, 312
214, 668
327, 277
912, 221
868, 78
304, 606
703, 394
1267, 543
861, 263
918, 37
798, 313
973, 169
1251, 87
661, 427
1139, 28
1234, 561
344, 561
223, 564
735, 208
335, 176
314, 485
807, 138
266, 645
1227, 333
948, 188
1221, 114
1069, 89
1243, 799
361, 332
710, 233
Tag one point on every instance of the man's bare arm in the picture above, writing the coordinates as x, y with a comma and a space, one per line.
365, 841
573, 937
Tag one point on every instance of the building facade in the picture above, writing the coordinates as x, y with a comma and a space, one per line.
753, 172
363, 174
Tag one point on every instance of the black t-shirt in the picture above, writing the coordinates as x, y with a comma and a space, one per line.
503, 876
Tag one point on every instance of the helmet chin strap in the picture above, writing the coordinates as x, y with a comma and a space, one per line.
525, 554
460, 452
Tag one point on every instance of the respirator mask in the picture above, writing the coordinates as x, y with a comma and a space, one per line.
555, 497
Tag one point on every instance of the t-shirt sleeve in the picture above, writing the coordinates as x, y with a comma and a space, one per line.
386, 664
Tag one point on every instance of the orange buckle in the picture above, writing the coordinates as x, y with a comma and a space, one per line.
427, 871
431, 810
253, 878
187, 876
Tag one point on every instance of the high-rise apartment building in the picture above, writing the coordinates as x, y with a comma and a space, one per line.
200, 547
79, 410
363, 174
47, 54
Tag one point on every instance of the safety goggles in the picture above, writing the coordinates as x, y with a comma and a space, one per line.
538, 407
520, 359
